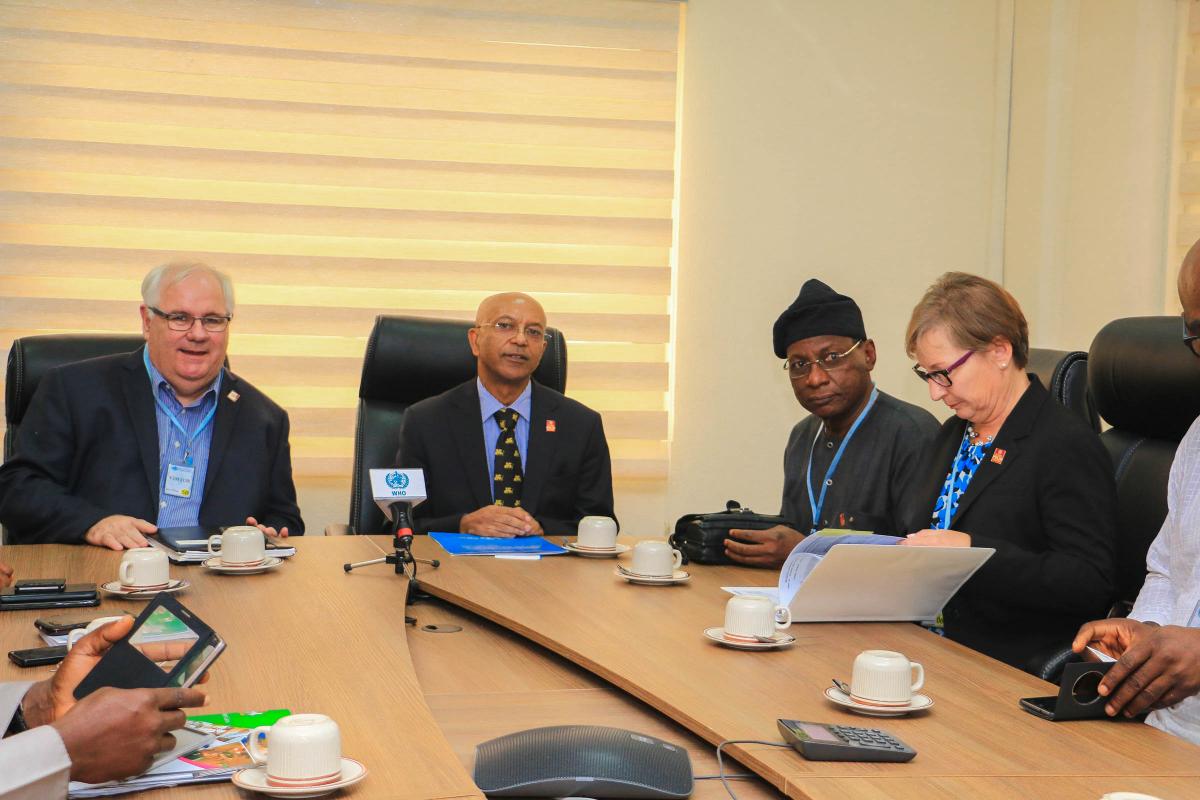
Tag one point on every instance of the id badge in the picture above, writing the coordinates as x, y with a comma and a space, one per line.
179, 480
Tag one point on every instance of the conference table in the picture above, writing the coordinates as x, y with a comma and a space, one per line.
505, 645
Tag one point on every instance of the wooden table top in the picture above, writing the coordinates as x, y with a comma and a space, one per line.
306, 637
647, 641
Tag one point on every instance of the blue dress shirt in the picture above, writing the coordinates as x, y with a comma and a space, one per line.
181, 511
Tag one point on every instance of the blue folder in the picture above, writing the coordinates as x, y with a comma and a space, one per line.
465, 544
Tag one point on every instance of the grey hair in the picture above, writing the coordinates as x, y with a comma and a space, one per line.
164, 276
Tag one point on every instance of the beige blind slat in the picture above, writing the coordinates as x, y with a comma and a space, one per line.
344, 161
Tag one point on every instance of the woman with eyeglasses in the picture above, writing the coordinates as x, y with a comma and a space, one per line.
1012, 470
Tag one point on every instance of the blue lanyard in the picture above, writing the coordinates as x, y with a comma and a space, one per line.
816, 507
190, 437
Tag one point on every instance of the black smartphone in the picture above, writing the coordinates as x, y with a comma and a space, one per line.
38, 656
74, 595
63, 624
168, 645
1078, 694
40, 586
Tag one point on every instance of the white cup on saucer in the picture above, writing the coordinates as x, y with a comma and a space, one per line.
885, 678
597, 533
74, 636
751, 617
240, 546
655, 558
302, 750
144, 569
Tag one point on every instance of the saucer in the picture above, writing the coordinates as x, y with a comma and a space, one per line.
780, 640
596, 552
271, 562
115, 588
255, 780
678, 576
919, 702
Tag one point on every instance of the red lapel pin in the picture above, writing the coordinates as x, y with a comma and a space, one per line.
998, 457
549, 426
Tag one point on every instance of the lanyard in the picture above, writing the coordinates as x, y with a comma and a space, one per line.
190, 437
816, 507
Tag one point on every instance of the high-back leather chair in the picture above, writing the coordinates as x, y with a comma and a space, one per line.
409, 359
1065, 375
1146, 385
31, 357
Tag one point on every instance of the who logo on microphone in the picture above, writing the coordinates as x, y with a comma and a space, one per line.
390, 485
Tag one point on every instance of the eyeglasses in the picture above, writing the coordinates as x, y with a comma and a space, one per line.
799, 368
1189, 341
942, 376
508, 330
182, 321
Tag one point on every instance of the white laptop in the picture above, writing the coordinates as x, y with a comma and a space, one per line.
884, 583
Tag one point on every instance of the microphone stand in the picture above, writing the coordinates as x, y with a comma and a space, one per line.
402, 555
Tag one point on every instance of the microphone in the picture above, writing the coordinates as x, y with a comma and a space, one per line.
397, 487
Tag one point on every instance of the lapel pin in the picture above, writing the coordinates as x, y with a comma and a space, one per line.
549, 426
233, 396
998, 457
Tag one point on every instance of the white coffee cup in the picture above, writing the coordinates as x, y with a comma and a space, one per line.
242, 545
885, 678
655, 558
302, 750
597, 533
144, 568
753, 616
74, 636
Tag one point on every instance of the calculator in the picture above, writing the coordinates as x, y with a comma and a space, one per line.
820, 742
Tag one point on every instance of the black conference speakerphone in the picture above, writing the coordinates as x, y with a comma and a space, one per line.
818, 741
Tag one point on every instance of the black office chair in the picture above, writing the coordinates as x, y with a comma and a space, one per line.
1065, 376
409, 359
31, 357
1146, 385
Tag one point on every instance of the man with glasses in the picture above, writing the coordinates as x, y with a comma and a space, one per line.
851, 463
113, 448
503, 455
1158, 645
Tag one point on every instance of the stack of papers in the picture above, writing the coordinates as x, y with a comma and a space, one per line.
207, 752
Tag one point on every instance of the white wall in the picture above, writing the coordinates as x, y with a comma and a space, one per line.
867, 144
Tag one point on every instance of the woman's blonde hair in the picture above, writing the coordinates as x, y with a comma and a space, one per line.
973, 311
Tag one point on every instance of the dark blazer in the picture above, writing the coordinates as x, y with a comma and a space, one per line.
568, 474
88, 448
1049, 509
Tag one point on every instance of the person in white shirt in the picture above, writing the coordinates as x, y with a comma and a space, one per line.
1158, 645
110, 734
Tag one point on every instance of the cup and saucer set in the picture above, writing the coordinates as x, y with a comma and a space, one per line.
884, 683
303, 758
753, 622
597, 539
655, 563
243, 551
144, 573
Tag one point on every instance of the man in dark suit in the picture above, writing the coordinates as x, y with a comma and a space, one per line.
114, 447
504, 456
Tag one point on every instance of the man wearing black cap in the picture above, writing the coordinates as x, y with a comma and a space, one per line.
850, 464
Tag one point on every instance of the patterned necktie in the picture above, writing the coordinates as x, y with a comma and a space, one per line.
506, 481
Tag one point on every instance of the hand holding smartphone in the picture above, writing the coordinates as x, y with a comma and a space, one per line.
167, 646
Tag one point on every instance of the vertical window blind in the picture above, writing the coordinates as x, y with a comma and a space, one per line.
1188, 224
343, 159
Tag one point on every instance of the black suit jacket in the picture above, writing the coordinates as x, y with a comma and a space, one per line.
1049, 509
567, 472
88, 448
